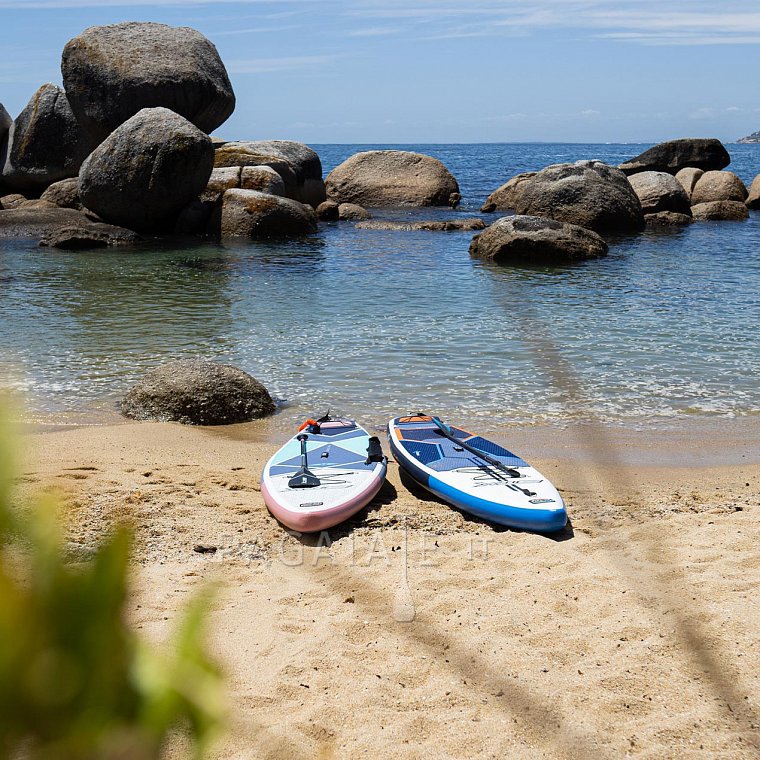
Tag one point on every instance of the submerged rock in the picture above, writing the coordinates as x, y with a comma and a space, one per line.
536, 240
674, 155
391, 178
45, 142
718, 186
505, 197
91, 236
587, 193
447, 225
197, 392
251, 214
659, 191
720, 211
110, 73
147, 171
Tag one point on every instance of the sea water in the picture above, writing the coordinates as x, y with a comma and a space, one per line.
376, 323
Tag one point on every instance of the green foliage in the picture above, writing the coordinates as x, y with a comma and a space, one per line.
75, 680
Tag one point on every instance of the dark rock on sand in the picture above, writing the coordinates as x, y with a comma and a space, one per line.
112, 72
720, 211
536, 240
659, 191
505, 197
197, 392
147, 171
753, 199
297, 164
327, 211
90, 236
718, 186
667, 219
688, 178
447, 225
45, 142
391, 178
41, 222
352, 212
672, 156
251, 214
64, 194
588, 193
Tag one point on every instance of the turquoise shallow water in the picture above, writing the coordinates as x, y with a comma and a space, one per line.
374, 323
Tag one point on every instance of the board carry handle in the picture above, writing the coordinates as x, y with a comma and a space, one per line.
303, 478
374, 451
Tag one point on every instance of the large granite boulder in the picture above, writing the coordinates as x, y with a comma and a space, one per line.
251, 214
588, 193
220, 181
718, 186
505, 197
197, 392
753, 198
64, 194
264, 179
297, 164
112, 72
720, 211
42, 222
659, 191
45, 142
147, 171
391, 178
672, 156
688, 178
536, 240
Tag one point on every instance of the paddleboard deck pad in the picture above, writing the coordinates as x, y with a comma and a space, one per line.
344, 460
461, 478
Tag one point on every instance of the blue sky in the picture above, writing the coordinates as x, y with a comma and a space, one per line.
441, 70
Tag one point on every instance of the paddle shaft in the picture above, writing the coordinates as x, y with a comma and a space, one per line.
303, 478
482, 455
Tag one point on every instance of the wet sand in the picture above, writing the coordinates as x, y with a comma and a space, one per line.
416, 631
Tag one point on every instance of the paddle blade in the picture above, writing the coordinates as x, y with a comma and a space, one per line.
304, 479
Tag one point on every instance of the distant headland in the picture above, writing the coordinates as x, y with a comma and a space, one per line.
749, 139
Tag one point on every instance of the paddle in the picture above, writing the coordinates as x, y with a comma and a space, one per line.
303, 478
447, 432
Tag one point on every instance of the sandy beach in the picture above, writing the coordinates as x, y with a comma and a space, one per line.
415, 631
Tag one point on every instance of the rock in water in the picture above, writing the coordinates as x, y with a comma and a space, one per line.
112, 72
297, 164
352, 212
688, 178
505, 198
328, 211
659, 191
45, 143
536, 240
147, 171
753, 199
720, 211
197, 392
668, 219
391, 178
43, 222
672, 156
588, 193
251, 214
718, 186
92, 236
